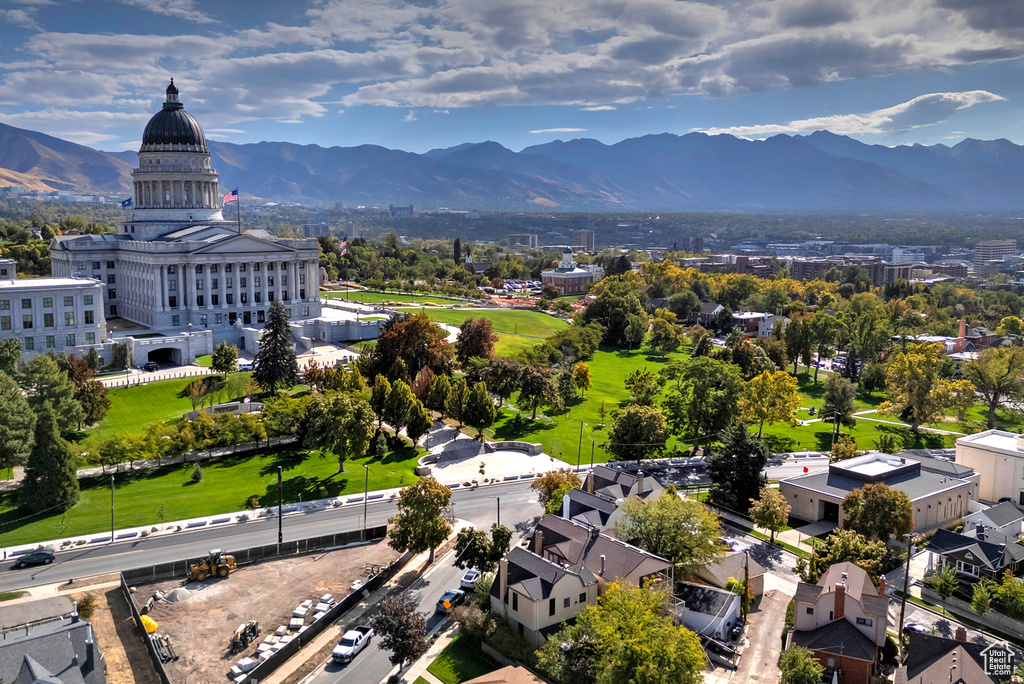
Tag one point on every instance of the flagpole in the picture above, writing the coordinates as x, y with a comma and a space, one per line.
238, 209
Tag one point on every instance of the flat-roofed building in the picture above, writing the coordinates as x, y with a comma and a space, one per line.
990, 250
525, 239
50, 314
939, 491
998, 458
582, 239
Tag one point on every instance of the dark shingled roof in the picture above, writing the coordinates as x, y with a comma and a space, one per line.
839, 637
1003, 514
732, 566
925, 649
580, 545
596, 509
534, 576
996, 551
58, 649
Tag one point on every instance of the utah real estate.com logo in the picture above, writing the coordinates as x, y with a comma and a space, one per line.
998, 659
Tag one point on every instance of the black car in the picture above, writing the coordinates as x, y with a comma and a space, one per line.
151, 366
44, 557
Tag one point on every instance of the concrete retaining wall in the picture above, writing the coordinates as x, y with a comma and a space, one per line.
992, 619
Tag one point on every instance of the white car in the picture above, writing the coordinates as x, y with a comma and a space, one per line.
470, 579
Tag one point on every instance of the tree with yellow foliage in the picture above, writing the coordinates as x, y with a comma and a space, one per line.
772, 397
913, 383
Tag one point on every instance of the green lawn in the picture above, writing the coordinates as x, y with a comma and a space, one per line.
459, 663
148, 497
517, 329
378, 297
205, 360
560, 433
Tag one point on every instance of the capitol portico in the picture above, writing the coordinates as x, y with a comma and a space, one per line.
177, 265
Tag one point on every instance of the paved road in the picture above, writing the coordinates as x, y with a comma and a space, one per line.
372, 665
475, 505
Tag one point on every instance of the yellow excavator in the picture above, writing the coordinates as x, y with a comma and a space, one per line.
217, 564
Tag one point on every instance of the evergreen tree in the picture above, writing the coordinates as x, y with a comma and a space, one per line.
736, 469
275, 366
457, 252
17, 426
44, 381
10, 352
50, 482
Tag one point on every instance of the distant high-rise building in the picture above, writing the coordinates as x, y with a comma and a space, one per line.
316, 230
698, 245
988, 250
524, 239
582, 239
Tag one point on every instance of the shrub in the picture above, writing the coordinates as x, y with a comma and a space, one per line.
86, 606
197, 474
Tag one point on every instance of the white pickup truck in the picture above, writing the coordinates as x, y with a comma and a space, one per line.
352, 642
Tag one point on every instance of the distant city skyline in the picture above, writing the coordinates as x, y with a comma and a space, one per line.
519, 72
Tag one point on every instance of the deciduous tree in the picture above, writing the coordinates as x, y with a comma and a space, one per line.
998, 376
771, 397
566, 386
839, 397
664, 336
637, 432
944, 583
339, 423
644, 387
414, 340
535, 389
439, 392
456, 405
681, 530
419, 422
581, 376
844, 449
839, 547
479, 409
770, 511
225, 358
379, 397
502, 377
401, 628
420, 524
548, 484
823, 328
914, 385
398, 405
799, 666
704, 399
275, 366
878, 512
476, 339
473, 549
627, 638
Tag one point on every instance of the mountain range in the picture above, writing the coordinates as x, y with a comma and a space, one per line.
817, 172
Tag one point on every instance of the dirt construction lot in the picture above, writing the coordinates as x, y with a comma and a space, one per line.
201, 625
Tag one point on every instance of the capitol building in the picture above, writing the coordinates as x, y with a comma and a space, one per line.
178, 267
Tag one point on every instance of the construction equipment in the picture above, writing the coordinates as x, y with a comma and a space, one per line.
244, 635
217, 564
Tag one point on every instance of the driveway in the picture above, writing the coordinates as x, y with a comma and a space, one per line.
759, 661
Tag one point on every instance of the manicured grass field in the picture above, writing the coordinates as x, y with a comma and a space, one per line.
560, 433
378, 297
166, 494
459, 663
517, 329
205, 360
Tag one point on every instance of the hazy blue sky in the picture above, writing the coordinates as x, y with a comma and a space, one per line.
434, 73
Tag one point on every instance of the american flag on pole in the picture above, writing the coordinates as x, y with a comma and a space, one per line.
342, 247
231, 196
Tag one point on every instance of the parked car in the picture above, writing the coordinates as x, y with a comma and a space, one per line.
352, 642
151, 366
915, 627
737, 630
470, 579
244, 366
449, 600
40, 557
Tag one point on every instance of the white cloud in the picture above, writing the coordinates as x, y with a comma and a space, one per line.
925, 110
598, 108
223, 131
558, 130
409, 116
20, 17
179, 9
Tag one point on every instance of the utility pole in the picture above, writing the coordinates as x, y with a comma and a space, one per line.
579, 448
280, 499
591, 454
906, 585
499, 510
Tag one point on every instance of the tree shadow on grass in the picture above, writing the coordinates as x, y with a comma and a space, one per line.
286, 460
507, 431
780, 443
301, 486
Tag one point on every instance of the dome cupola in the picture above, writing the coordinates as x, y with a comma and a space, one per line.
173, 129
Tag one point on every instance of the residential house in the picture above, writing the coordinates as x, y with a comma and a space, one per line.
932, 659
981, 337
748, 322
512, 674
566, 567
709, 611
975, 554
1004, 518
707, 313
842, 619
59, 647
733, 566
475, 266
597, 502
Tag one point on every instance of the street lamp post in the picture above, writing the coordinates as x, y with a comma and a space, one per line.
579, 448
906, 584
366, 493
591, 454
111, 508
280, 508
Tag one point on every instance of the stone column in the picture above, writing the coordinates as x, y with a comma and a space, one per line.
265, 284
207, 296
161, 290
190, 279
249, 285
